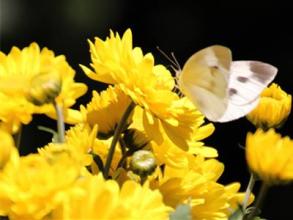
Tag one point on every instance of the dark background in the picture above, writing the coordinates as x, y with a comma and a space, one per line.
254, 30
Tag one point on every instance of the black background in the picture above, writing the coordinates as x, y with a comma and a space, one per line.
254, 30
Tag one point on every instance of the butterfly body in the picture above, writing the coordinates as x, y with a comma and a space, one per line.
222, 89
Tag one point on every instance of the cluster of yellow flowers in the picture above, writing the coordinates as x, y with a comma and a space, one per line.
135, 151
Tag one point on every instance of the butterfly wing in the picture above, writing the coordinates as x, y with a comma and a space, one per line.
204, 80
247, 81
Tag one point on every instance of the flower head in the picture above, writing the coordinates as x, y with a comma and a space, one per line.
105, 110
270, 156
21, 69
39, 188
7, 149
207, 198
115, 61
103, 199
273, 108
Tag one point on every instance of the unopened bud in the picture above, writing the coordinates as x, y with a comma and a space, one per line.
143, 163
44, 88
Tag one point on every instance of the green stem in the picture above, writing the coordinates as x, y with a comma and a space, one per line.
124, 153
17, 137
143, 179
259, 201
122, 146
60, 123
116, 137
248, 191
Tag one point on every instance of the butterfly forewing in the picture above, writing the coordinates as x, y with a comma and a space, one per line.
204, 79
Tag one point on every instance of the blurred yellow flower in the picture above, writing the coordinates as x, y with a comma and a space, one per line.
105, 110
270, 156
32, 186
79, 143
115, 61
97, 198
207, 198
14, 112
273, 108
19, 69
7, 149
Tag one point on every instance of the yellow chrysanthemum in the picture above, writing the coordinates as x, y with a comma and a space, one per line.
270, 156
32, 186
150, 86
106, 109
14, 112
97, 198
79, 143
167, 152
273, 108
19, 69
195, 183
7, 149
207, 198
81, 140
101, 148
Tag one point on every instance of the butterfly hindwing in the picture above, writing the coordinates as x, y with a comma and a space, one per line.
248, 79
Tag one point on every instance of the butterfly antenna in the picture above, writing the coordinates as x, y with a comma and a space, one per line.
172, 59
175, 61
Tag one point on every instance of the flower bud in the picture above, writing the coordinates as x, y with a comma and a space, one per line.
44, 88
273, 108
143, 163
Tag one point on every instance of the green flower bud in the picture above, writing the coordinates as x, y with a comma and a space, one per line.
44, 88
143, 163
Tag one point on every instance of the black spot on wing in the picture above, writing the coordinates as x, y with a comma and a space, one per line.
262, 72
232, 91
242, 79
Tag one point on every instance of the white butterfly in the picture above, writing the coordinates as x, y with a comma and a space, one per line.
222, 89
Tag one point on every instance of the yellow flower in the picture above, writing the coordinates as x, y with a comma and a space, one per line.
273, 108
150, 86
270, 156
14, 112
105, 110
32, 186
207, 198
101, 148
7, 149
81, 141
166, 151
19, 69
97, 198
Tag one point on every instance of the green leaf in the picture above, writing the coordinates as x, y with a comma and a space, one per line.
51, 131
182, 212
237, 215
